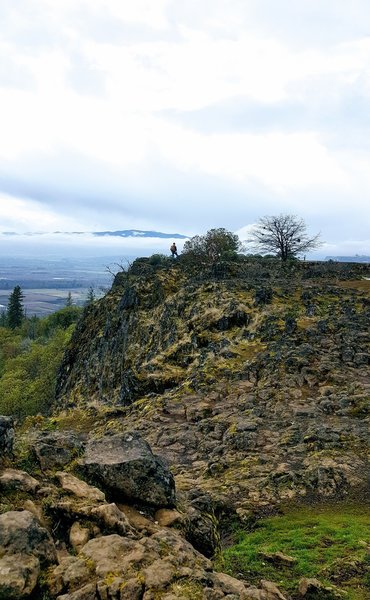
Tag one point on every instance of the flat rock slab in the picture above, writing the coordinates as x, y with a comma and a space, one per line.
138, 519
79, 488
125, 465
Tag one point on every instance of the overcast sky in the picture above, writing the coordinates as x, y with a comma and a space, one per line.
182, 115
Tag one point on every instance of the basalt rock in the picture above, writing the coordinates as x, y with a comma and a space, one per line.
124, 465
18, 576
25, 548
161, 566
57, 449
13, 479
21, 533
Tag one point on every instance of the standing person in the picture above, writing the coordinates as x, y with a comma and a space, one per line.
173, 250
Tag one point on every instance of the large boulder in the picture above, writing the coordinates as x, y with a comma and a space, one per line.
6, 436
111, 561
125, 465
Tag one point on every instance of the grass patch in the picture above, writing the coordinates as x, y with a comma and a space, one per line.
321, 539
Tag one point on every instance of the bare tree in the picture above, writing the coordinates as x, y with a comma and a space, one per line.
285, 235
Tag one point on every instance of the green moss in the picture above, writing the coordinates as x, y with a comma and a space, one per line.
315, 536
110, 577
13, 500
187, 588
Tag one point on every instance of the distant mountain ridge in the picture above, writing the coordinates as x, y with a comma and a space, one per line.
140, 233
123, 233
357, 258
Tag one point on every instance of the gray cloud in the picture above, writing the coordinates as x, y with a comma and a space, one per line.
343, 123
77, 186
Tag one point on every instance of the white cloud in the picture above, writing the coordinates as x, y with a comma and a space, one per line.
278, 160
347, 248
22, 215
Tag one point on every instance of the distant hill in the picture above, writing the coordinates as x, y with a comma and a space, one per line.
139, 233
122, 233
357, 258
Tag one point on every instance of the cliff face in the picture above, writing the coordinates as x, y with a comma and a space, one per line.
255, 387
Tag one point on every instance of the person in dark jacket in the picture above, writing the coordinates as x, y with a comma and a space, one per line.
173, 250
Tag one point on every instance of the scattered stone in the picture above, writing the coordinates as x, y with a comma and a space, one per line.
20, 532
78, 536
229, 585
36, 511
12, 479
18, 576
88, 592
313, 588
111, 518
344, 569
71, 573
201, 530
159, 574
138, 519
272, 591
132, 589
278, 558
167, 517
57, 449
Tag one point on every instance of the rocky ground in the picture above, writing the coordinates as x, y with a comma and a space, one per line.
61, 537
250, 384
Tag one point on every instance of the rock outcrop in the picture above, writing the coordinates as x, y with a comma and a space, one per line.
247, 391
263, 387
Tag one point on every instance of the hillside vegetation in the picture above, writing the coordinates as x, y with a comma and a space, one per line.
30, 356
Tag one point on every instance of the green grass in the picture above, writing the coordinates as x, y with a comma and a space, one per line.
321, 538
